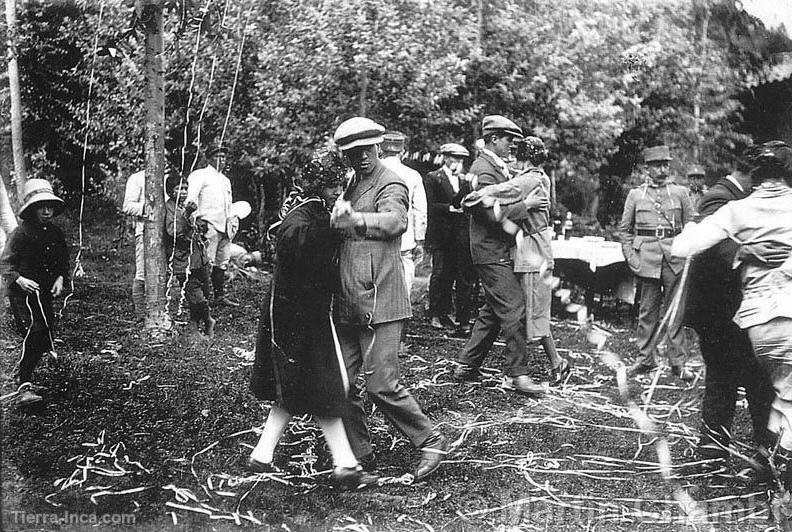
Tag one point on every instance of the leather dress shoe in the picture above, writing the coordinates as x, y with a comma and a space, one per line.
463, 331
353, 478
368, 462
436, 324
639, 368
261, 467
448, 322
561, 372
682, 373
522, 384
466, 372
224, 301
434, 449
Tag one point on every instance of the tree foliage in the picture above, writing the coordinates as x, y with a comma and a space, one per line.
597, 79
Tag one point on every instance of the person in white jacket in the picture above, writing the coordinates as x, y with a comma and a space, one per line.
134, 202
8, 221
412, 240
210, 189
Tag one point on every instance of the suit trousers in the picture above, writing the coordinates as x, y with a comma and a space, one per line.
656, 295
730, 363
408, 263
375, 350
451, 269
504, 310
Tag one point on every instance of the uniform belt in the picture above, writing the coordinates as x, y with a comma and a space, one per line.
659, 232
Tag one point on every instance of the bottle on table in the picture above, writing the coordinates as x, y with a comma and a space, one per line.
566, 229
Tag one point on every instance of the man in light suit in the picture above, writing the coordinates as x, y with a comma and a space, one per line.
448, 238
372, 303
654, 213
490, 250
412, 241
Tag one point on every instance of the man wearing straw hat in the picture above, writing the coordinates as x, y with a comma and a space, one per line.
210, 189
35, 268
373, 302
654, 213
448, 237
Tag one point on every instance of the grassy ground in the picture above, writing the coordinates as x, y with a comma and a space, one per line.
158, 432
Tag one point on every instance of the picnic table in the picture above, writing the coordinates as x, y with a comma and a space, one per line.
595, 265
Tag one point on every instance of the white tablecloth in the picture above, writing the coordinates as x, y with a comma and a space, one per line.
597, 253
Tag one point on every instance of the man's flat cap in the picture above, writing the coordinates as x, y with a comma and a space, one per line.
457, 150
500, 124
214, 149
358, 131
393, 141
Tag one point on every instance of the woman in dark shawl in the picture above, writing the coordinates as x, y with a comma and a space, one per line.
298, 361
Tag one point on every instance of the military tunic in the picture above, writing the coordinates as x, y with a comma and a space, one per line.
653, 215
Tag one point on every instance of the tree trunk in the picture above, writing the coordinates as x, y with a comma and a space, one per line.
480, 28
697, 95
157, 318
20, 173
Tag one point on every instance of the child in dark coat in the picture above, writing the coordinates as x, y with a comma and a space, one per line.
35, 268
188, 253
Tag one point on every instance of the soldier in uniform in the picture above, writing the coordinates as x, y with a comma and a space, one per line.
654, 213
696, 184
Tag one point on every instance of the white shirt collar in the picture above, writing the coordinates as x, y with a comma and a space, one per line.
736, 183
500, 162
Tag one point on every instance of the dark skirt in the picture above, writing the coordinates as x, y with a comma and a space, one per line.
298, 361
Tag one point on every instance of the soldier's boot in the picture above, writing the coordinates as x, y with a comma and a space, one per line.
218, 284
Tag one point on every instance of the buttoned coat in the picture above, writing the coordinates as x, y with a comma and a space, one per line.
372, 288
647, 208
444, 227
489, 243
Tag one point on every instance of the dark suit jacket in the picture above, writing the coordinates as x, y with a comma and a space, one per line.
443, 227
714, 288
489, 243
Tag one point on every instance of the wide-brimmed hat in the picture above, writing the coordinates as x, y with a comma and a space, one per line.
455, 150
36, 191
656, 153
502, 125
358, 131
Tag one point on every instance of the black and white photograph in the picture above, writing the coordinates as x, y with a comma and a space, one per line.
396, 265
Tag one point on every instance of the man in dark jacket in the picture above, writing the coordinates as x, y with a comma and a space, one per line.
448, 238
713, 296
490, 249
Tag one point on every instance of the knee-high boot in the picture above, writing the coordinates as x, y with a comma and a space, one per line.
218, 283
